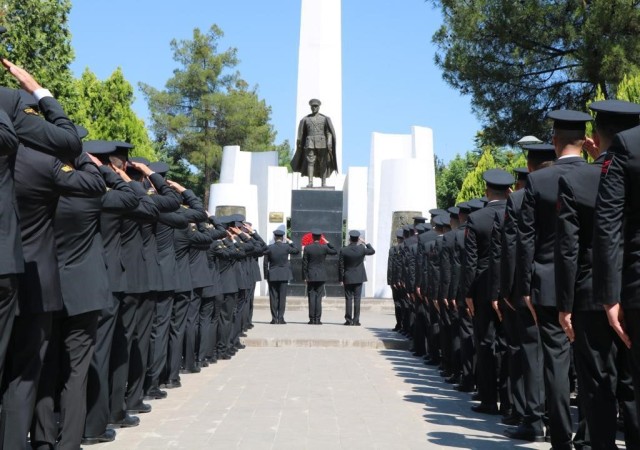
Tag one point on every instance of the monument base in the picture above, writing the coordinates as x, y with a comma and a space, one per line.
316, 208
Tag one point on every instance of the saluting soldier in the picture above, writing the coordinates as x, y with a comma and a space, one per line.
351, 274
537, 233
601, 363
277, 271
314, 273
393, 280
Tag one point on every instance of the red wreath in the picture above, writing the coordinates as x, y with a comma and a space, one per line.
307, 239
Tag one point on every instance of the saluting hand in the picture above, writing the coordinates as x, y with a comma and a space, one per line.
121, 173
27, 82
94, 160
143, 168
173, 185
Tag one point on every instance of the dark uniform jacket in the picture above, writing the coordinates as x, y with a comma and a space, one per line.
408, 256
40, 180
617, 220
81, 257
313, 259
55, 135
477, 245
446, 265
537, 231
457, 266
351, 263
136, 271
509, 240
244, 275
276, 265
199, 243
216, 232
192, 211
432, 268
424, 241
577, 192
227, 256
166, 200
259, 246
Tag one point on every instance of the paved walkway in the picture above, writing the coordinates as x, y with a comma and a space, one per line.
299, 386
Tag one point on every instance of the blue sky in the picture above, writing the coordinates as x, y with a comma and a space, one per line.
389, 79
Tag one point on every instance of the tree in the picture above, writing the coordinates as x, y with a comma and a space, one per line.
449, 178
474, 185
39, 40
206, 105
520, 59
104, 109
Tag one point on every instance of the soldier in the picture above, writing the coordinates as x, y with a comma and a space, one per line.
535, 250
85, 291
393, 280
351, 274
539, 156
600, 357
447, 315
615, 278
502, 272
476, 286
254, 270
314, 273
277, 271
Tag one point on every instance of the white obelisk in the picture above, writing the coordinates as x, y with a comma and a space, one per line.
320, 63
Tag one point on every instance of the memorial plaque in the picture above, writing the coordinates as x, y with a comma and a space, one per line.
276, 217
401, 218
227, 210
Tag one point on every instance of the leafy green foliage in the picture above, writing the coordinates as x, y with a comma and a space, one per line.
104, 109
520, 59
38, 39
206, 106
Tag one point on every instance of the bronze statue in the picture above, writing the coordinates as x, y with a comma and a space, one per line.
315, 146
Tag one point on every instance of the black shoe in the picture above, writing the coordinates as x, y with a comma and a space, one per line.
155, 394
127, 422
172, 384
356, 324
243, 334
311, 322
445, 373
512, 420
282, 322
273, 322
432, 362
348, 322
318, 322
485, 409
191, 370
226, 356
523, 433
463, 388
240, 346
250, 326
140, 408
396, 328
506, 411
453, 379
108, 436
420, 354
202, 364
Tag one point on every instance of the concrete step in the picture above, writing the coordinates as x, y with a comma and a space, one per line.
328, 303
375, 332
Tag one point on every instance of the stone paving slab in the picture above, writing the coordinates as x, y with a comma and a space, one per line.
315, 398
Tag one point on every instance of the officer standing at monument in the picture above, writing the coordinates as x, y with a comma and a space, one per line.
315, 146
351, 274
277, 271
314, 273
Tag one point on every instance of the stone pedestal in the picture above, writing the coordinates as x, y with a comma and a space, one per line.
316, 208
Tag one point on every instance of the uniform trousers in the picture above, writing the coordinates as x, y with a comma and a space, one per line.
315, 291
98, 381
485, 328
249, 310
555, 351
467, 347
139, 357
238, 316
214, 331
397, 306
25, 356
454, 336
225, 338
8, 304
407, 313
515, 357
532, 370
445, 337
352, 297
66, 366
278, 299
433, 333
176, 334
159, 340
120, 355
419, 329
632, 322
191, 329
205, 317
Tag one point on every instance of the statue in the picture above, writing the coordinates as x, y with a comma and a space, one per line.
315, 146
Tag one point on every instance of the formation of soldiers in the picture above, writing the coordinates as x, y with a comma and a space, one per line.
114, 281
526, 293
